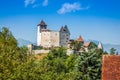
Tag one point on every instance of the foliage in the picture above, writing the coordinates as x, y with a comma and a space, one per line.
92, 46
113, 51
54, 64
76, 45
89, 63
12, 58
17, 64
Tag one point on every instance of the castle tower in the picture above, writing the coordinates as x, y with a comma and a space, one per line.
100, 46
80, 39
40, 26
64, 36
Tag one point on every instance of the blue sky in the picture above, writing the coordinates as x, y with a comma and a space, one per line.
93, 19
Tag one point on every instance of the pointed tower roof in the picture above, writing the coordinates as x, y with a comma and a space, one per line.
62, 29
80, 39
87, 44
66, 28
100, 45
42, 23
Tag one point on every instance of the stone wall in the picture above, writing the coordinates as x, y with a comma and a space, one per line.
55, 39
40, 51
50, 39
64, 38
45, 39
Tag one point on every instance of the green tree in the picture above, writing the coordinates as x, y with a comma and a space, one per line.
89, 63
70, 62
92, 46
58, 66
112, 51
16, 64
7, 40
12, 58
76, 45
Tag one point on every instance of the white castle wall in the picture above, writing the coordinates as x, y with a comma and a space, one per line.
50, 39
45, 39
38, 36
55, 39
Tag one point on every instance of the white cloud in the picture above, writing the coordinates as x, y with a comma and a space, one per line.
35, 3
67, 7
45, 3
27, 2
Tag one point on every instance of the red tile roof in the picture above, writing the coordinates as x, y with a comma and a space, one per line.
86, 44
80, 39
111, 67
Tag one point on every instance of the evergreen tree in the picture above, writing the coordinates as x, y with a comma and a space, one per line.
112, 51
89, 63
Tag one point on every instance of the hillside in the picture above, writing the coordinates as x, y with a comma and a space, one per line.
40, 56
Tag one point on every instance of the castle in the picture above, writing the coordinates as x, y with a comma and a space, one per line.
50, 38
47, 38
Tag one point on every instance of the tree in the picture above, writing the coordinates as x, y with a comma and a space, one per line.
76, 45
6, 39
12, 58
15, 63
89, 63
70, 62
58, 66
112, 51
92, 46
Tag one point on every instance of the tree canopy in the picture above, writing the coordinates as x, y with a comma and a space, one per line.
17, 64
